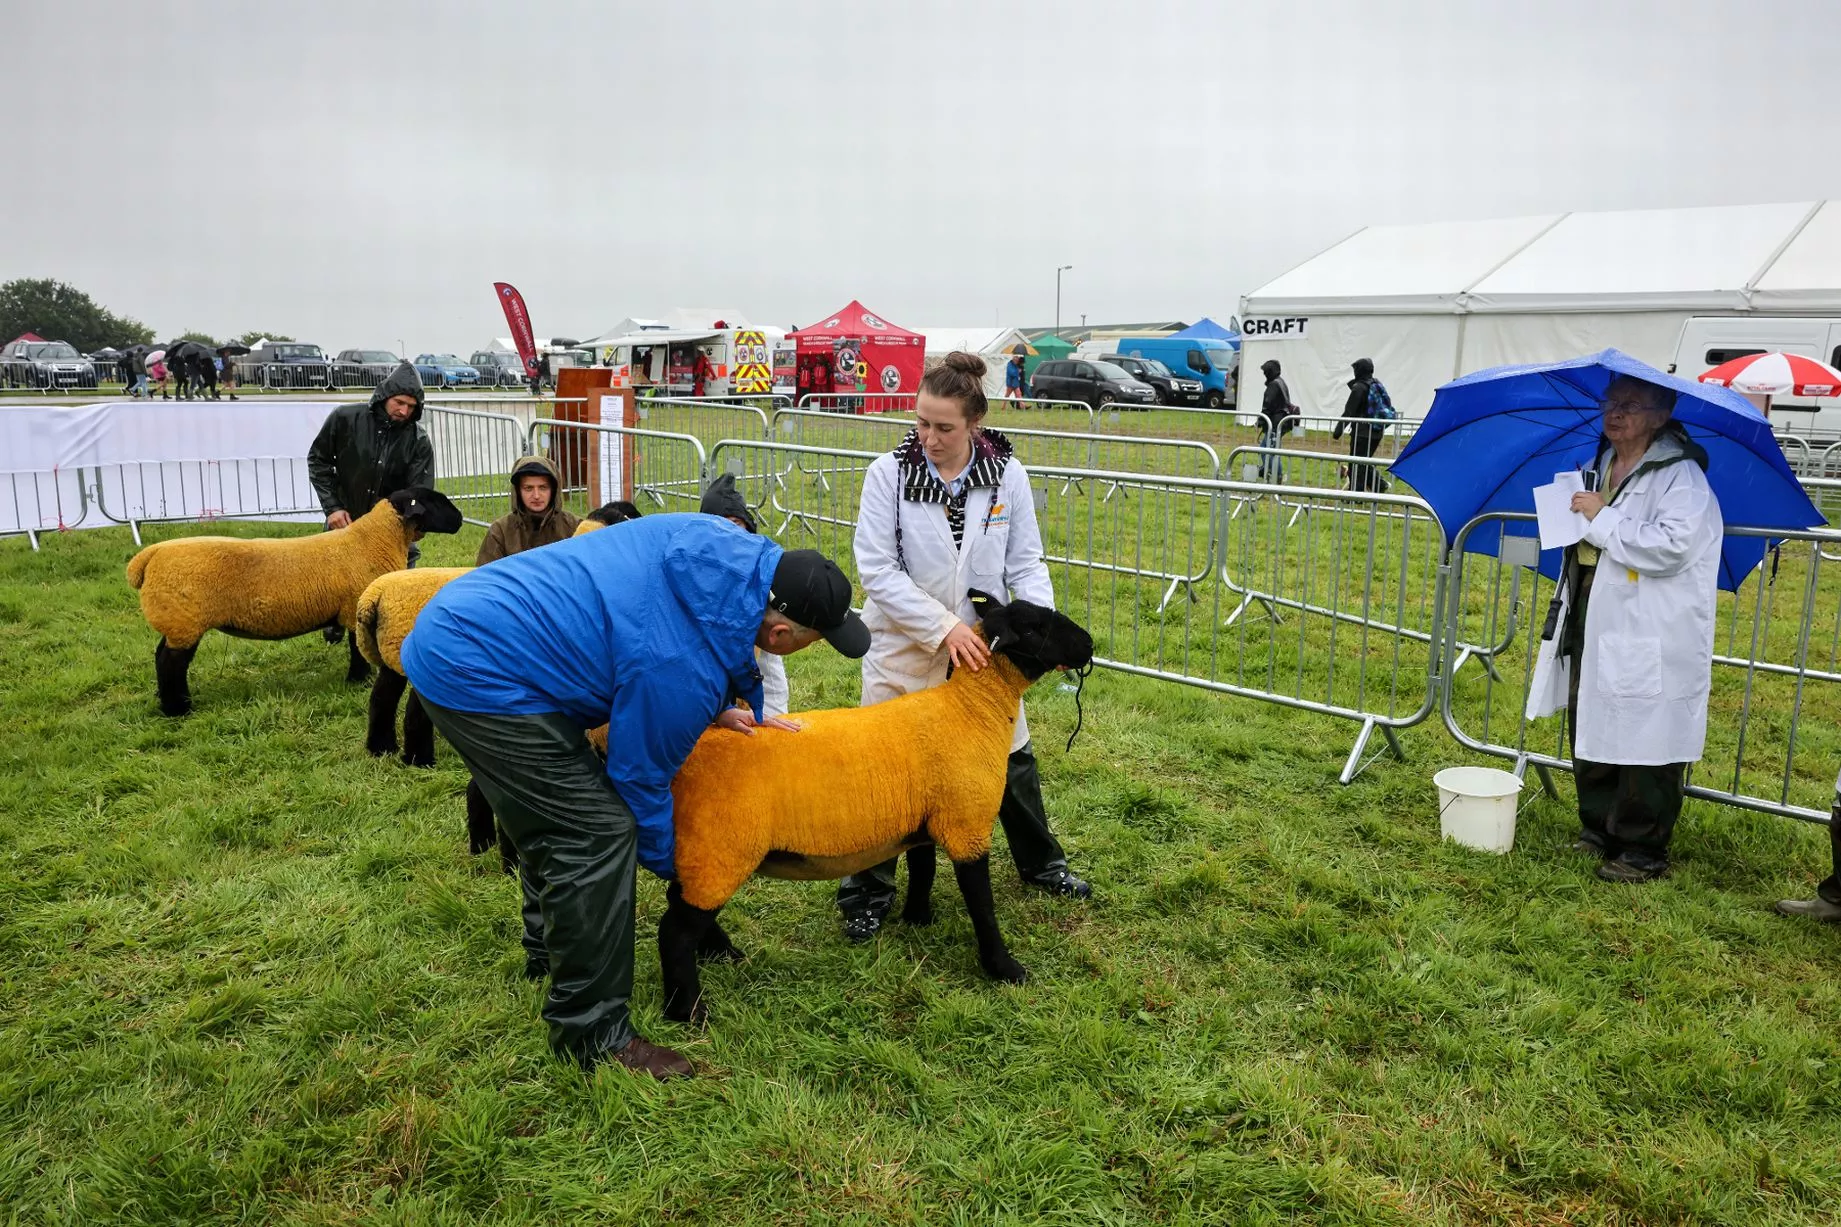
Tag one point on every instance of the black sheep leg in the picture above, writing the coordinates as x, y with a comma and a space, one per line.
169, 675
918, 910
681, 931
975, 884
360, 668
716, 946
380, 733
418, 732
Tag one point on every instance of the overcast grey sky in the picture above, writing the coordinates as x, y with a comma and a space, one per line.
358, 173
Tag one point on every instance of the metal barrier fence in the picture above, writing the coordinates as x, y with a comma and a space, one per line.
1308, 469
1803, 459
37, 501
1219, 428
1394, 434
766, 401
1774, 715
1343, 583
23, 376
475, 452
1129, 453
162, 490
1339, 602
667, 469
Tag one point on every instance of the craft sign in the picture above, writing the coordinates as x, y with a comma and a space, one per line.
1275, 327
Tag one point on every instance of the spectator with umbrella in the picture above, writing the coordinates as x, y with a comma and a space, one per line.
1628, 646
227, 356
156, 370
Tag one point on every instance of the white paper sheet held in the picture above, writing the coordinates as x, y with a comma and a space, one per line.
1560, 525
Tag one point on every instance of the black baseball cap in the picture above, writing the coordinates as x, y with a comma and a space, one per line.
809, 589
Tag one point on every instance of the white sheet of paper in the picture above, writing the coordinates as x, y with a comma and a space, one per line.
1560, 525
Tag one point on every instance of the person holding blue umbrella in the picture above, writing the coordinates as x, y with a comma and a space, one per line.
1629, 643
1636, 637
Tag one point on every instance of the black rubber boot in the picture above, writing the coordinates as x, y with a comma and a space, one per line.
866, 899
1040, 862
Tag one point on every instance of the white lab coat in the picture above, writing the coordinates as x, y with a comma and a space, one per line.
1647, 662
910, 612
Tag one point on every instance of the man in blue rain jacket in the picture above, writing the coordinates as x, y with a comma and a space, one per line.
649, 628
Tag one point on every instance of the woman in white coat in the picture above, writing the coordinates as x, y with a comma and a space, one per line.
1634, 656
947, 511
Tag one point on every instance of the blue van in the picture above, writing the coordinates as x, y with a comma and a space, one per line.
1204, 358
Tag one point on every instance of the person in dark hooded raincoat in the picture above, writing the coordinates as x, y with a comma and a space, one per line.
1365, 432
536, 516
365, 452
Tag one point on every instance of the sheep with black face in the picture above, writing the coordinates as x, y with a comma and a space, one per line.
274, 588
855, 786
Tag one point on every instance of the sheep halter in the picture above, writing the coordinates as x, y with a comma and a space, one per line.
1080, 716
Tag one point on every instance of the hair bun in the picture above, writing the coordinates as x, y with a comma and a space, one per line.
971, 364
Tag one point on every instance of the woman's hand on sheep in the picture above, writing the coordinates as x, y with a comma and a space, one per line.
741, 720
966, 648
339, 519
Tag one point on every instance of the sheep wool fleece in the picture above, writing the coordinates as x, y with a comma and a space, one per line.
649, 630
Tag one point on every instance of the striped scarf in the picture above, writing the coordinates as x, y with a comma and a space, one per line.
990, 453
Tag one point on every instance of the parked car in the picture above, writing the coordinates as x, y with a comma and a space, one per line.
1203, 358
362, 368
290, 364
1096, 383
498, 368
445, 371
1172, 389
45, 364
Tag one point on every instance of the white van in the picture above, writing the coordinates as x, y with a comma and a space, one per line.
1708, 340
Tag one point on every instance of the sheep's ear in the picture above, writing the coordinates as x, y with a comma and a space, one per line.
982, 601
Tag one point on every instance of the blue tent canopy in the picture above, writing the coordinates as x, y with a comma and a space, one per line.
1209, 330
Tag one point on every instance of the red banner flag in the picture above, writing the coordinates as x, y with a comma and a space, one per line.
519, 321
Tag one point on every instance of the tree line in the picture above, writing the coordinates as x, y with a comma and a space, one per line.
60, 312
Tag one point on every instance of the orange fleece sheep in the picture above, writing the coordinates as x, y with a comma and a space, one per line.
272, 588
855, 786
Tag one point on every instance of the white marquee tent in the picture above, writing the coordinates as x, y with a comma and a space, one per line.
1430, 302
993, 344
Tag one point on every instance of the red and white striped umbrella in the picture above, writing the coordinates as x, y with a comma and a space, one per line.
1776, 375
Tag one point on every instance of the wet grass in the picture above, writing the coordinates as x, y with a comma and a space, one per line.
252, 976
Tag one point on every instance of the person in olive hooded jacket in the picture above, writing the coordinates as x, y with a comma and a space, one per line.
536, 516
367, 452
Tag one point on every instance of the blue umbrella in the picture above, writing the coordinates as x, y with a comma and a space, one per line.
1494, 435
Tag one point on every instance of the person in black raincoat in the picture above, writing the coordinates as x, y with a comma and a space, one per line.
365, 452
1365, 432
1274, 408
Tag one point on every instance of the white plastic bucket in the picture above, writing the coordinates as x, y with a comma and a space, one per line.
1476, 807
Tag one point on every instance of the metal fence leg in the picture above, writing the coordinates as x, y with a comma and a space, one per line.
1546, 777
1355, 766
1170, 592
1248, 599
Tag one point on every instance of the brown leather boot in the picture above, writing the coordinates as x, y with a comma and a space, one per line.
643, 1057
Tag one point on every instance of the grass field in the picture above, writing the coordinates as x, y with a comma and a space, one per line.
252, 976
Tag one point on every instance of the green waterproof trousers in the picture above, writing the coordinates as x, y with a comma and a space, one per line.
577, 847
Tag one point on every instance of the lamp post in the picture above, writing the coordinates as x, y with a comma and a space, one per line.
1058, 271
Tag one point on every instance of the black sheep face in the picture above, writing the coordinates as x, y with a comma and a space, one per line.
1037, 640
427, 509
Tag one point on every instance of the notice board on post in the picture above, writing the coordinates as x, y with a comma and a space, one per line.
610, 459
